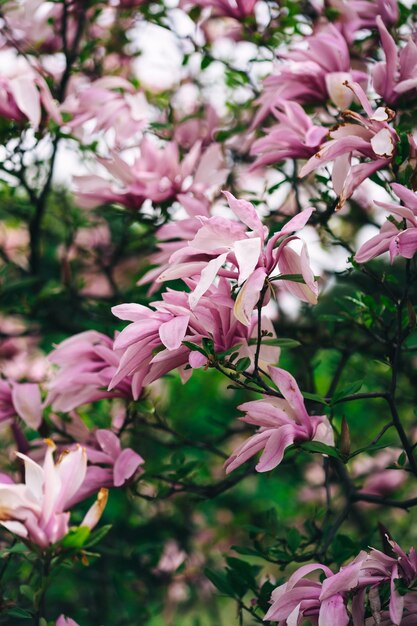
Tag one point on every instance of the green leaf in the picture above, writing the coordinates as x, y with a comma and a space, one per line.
97, 535
76, 538
293, 539
295, 278
243, 364
220, 355
321, 448
220, 581
247, 551
20, 613
402, 458
284, 342
315, 397
349, 390
194, 347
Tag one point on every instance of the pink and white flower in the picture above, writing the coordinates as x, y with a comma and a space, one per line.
398, 235
282, 422
37, 510
370, 138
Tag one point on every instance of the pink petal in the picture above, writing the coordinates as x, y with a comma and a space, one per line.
126, 465
248, 296
333, 611
173, 332
27, 401
247, 253
208, 275
275, 447
246, 212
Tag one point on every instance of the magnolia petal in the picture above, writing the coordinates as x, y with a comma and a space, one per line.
27, 401
248, 296
95, 512
245, 211
208, 275
338, 91
333, 611
383, 144
173, 332
275, 447
247, 253
126, 465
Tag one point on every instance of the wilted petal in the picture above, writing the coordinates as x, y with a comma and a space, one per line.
383, 144
95, 512
339, 93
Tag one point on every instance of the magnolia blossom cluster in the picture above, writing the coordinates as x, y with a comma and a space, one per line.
340, 598
334, 116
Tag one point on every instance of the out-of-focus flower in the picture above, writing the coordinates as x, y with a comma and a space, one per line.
371, 138
398, 235
294, 137
157, 174
248, 258
282, 422
65, 621
111, 102
398, 74
313, 73
355, 15
38, 509
152, 345
172, 237
87, 363
23, 400
197, 127
24, 95
238, 9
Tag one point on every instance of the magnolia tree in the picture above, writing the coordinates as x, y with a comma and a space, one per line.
208, 339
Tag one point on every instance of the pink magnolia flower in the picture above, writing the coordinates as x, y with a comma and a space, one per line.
38, 509
157, 174
152, 345
238, 9
380, 568
65, 621
312, 73
172, 236
87, 363
22, 400
294, 137
282, 422
355, 15
110, 102
197, 126
108, 464
249, 258
24, 95
324, 604
398, 235
398, 74
371, 138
